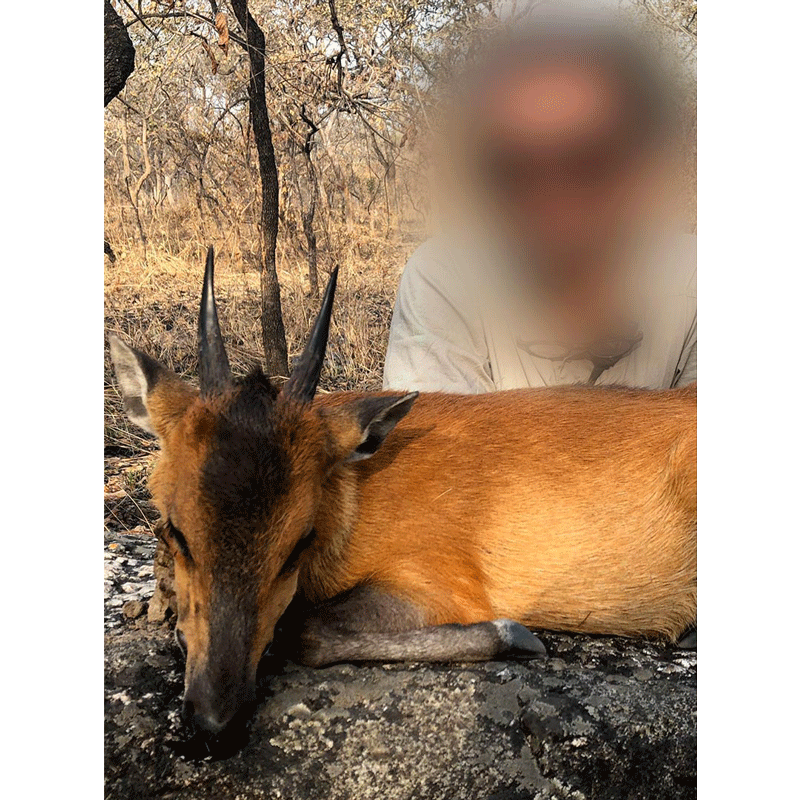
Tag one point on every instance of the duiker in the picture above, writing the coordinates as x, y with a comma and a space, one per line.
430, 527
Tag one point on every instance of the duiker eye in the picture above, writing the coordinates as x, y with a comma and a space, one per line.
178, 538
294, 557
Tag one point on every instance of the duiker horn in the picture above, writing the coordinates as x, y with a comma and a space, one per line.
302, 385
215, 371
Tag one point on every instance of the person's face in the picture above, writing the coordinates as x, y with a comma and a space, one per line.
567, 172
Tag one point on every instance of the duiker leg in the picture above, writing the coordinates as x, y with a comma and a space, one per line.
369, 625
688, 640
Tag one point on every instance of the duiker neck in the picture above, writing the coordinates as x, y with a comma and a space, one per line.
325, 571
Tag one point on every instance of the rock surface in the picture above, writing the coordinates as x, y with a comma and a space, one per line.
600, 718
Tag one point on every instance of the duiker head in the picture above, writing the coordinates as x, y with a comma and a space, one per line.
238, 483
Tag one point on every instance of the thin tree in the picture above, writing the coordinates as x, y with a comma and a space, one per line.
272, 330
310, 206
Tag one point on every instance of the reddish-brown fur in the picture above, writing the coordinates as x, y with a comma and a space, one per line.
566, 509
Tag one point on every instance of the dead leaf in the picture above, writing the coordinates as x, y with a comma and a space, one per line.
221, 21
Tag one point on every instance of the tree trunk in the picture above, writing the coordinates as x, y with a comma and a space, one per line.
272, 330
118, 60
119, 53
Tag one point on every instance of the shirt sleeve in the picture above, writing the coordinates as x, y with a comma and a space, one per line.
436, 342
686, 368
689, 373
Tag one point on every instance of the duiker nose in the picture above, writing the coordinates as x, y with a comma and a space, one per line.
211, 710
202, 720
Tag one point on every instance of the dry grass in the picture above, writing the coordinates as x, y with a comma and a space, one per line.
153, 305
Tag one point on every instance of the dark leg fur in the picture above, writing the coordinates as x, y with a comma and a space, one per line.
370, 625
688, 640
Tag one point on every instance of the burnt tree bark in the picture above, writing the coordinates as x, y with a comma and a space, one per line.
118, 60
272, 329
119, 53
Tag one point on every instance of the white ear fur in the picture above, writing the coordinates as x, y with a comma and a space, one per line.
129, 366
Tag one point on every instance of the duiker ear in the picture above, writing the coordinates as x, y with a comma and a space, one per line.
375, 418
138, 376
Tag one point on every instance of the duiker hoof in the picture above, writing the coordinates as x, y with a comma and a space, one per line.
518, 640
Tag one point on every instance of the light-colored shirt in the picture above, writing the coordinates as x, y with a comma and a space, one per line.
455, 327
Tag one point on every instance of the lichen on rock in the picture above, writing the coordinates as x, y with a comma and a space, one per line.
600, 718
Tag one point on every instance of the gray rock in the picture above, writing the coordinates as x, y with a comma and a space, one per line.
600, 719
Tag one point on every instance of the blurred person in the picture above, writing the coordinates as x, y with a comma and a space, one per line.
570, 269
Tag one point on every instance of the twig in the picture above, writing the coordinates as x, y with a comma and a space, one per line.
139, 17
